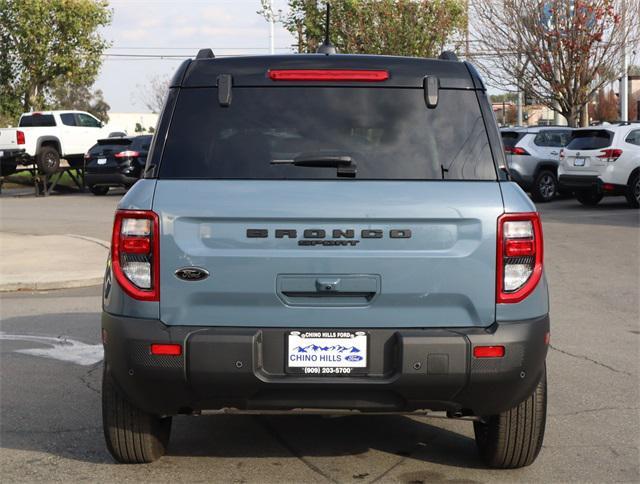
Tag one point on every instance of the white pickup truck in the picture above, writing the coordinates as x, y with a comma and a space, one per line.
45, 137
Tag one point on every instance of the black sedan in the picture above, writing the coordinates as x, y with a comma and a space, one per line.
116, 162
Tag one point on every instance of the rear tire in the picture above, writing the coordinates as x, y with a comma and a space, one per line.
98, 190
633, 191
48, 160
513, 438
133, 436
545, 187
590, 198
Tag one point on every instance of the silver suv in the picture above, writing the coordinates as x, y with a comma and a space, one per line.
533, 157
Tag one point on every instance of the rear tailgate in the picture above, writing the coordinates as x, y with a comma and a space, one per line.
585, 154
426, 258
8, 139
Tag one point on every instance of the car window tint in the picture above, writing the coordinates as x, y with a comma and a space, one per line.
87, 121
634, 137
142, 143
389, 133
552, 138
510, 138
68, 119
590, 139
37, 120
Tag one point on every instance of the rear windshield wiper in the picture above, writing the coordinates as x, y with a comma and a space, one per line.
345, 165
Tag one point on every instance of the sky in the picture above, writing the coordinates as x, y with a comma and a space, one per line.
177, 28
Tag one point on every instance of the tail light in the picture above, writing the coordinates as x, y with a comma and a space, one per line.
127, 154
520, 256
517, 151
20, 137
562, 155
87, 155
135, 253
610, 154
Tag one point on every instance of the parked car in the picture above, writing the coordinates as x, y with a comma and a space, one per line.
312, 234
533, 157
603, 161
45, 137
114, 162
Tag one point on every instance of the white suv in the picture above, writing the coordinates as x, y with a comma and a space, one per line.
603, 160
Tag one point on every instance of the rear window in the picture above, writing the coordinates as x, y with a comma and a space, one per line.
37, 120
590, 139
553, 138
388, 133
141, 143
110, 145
510, 138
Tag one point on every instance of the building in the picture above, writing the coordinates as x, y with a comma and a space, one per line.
134, 123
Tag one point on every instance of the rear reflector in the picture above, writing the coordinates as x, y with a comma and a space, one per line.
328, 75
166, 349
488, 351
608, 187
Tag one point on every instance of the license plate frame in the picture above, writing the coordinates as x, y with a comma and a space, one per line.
580, 162
327, 353
102, 161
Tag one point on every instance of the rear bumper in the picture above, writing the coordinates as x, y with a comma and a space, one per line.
109, 179
13, 156
590, 182
244, 368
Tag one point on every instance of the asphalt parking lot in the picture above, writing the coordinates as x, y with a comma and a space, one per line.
50, 424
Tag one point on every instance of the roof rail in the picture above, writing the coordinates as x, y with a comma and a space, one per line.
448, 55
205, 54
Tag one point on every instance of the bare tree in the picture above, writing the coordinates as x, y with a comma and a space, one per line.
560, 52
153, 94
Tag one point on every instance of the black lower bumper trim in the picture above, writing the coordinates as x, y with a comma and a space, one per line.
579, 182
244, 368
109, 179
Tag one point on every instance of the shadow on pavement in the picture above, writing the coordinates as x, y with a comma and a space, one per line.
53, 407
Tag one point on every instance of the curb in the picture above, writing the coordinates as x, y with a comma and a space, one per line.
52, 285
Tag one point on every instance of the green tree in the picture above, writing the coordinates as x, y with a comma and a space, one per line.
45, 43
71, 96
418, 28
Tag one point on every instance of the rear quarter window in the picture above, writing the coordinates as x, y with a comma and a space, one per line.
388, 132
592, 139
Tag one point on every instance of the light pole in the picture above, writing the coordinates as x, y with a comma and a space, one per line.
272, 19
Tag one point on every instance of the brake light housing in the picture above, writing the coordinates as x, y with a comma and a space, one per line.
520, 256
610, 154
516, 150
127, 154
135, 253
353, 75
20, 137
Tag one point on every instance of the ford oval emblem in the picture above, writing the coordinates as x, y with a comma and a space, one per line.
353, 358
192, 274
